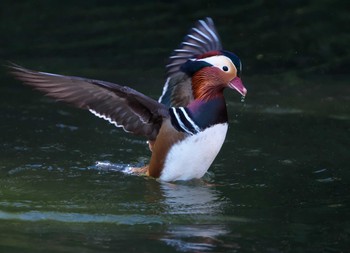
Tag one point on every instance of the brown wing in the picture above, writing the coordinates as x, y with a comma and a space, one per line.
120, 105
201, 39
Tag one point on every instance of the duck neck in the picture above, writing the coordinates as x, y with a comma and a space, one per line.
208, 112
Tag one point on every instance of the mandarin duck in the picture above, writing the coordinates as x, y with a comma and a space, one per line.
186, 127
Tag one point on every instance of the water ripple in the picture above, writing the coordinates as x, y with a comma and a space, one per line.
81, 217
125, 219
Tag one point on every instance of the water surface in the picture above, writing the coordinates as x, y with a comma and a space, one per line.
279, 183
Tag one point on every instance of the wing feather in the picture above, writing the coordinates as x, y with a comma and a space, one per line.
201, 39
120, 105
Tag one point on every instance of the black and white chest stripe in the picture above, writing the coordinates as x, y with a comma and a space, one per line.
182, 121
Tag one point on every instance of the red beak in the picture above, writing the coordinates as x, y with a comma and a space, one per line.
236, 83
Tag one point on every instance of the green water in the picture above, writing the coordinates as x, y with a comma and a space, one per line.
279, 184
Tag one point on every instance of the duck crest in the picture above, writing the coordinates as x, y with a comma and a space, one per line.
209, 54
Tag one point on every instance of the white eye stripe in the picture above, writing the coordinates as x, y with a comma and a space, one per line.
220, 61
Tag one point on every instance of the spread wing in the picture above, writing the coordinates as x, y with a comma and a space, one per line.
201, 39
120, 105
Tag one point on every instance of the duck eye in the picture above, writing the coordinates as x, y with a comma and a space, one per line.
225, 68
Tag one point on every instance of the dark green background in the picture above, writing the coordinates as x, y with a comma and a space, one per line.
270, 36
280, 182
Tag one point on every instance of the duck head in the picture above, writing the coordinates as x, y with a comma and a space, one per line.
214, 71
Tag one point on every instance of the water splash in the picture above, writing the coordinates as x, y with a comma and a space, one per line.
106, 166
109, 167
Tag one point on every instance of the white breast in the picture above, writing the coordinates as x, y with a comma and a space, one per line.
192, 157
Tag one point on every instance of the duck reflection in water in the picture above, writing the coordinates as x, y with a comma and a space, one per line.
194, 209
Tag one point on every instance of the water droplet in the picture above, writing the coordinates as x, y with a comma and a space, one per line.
242, 99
